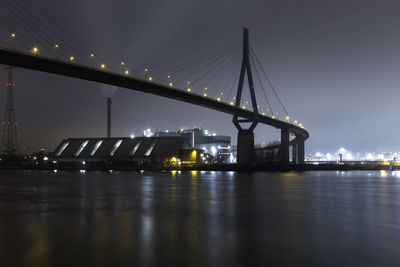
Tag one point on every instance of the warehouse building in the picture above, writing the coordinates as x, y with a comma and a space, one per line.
141, 152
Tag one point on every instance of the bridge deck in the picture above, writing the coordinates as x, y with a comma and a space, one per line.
49, 65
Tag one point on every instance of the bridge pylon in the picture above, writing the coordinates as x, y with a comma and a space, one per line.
245, 142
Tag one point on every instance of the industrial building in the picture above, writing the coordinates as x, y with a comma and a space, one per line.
140, 152
219, 146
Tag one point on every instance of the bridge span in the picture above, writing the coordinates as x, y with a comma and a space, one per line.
54, 66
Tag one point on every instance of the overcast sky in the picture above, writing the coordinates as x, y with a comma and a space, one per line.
334, 63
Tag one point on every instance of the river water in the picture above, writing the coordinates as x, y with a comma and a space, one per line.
318, 218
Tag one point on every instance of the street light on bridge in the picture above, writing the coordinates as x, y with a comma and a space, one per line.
35, 50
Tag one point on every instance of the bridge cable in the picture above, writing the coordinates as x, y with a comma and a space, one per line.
262, 86
28, 21
269, 81
62, 29
44, 25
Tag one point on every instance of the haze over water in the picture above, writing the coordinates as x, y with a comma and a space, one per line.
199, 218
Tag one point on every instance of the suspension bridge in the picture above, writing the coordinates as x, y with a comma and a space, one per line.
216, 82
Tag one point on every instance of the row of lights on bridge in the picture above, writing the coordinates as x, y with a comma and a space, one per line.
35, 50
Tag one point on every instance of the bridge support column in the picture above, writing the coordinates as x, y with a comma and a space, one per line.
294, 153
284, 147
300, 151
245, 147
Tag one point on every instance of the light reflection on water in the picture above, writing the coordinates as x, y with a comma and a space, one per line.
199, 218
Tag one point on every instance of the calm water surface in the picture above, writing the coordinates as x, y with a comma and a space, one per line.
199, 218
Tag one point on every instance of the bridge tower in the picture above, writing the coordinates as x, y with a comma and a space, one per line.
245, 141
9, 142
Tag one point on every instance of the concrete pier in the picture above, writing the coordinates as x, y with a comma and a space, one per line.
284, 147
245, 147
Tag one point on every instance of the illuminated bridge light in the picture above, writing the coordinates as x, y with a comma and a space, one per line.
188, 83
35, 50
56, 46
126, 72
205, 88
169, 76
295, 122
91, 55
146, 70
13, 35
218, 99
263, 114
189, 89
287, 118
232, 103
243, 107
122, 63
205, 95
171, 84
103, 66
150, 78
273, 116
71, 58
222, 93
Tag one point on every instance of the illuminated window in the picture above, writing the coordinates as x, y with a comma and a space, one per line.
96, 146
150, 149
117, 144
135, 148
62, 148
81, 148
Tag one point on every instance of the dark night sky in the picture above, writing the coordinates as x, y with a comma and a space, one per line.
335, 64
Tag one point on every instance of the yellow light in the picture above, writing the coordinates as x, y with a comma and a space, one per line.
194, 155
71, 58
171, 84
126, 72
103, 66
205, 95
122, 63
91, 55
35, 50
231, 103
273, 117
300, 125
189, 89
56, 46
295, 122
218, 99
150, 78
12, 35
263, 114
205, 88
146, 70
169, 76
243, 107
287, 118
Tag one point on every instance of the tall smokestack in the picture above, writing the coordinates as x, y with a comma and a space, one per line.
108, 117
